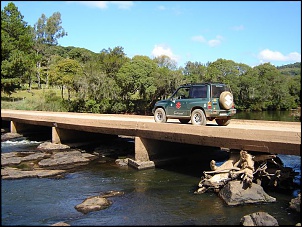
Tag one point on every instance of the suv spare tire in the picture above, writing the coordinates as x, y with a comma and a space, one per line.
226, 100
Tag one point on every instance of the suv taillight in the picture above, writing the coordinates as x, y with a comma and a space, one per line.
209, 105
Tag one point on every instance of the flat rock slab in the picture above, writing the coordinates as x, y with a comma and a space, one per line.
67, 159
15, 173
16, 165
52, 146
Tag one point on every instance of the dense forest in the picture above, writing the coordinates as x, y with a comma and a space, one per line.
111, 82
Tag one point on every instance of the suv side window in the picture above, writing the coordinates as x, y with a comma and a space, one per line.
199, 91
182, 93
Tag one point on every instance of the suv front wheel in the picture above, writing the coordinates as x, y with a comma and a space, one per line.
198, 117
160, 115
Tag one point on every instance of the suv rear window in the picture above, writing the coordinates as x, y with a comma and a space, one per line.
218, 89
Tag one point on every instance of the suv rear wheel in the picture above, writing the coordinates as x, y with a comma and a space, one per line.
198, 117
223, 122
160, 115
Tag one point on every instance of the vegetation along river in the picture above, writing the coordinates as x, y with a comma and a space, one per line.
160, 196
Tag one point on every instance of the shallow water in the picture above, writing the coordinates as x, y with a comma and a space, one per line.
160, 196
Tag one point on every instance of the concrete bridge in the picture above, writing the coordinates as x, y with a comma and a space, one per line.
150, 137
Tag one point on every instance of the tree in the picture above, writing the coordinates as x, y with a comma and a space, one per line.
47, 32
194, 72
16, 49
65, 73
112, 60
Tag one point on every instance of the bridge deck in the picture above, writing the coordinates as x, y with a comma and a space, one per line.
263, 136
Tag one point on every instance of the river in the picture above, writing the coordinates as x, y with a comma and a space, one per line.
160, 196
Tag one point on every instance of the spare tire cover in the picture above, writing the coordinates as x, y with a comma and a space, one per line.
226, 100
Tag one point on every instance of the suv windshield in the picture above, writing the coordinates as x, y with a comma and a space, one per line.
217, 89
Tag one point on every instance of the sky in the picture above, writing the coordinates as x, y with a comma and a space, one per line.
248, 32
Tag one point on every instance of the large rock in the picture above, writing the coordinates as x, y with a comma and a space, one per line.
93, 203
295, 203
258, 219
234, 193
10, 135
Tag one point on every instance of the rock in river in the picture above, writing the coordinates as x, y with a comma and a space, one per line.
93, 203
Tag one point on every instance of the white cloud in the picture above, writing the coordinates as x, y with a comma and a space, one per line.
268, 55
238, 28
212, 43
199, 38
215, 42
161, 7
95, 4
123, 4
105, 4
159, 50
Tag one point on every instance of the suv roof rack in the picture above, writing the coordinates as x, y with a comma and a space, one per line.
188, 84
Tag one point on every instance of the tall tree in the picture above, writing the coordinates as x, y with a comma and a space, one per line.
112, 60
16, 48
47, 32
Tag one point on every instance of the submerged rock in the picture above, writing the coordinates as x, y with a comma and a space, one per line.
111, 194
60, 224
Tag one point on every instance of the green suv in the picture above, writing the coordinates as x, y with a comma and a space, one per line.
197, 103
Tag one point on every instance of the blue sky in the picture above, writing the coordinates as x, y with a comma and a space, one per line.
249, 32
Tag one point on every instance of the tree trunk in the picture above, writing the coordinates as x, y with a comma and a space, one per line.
38, 74
62, 94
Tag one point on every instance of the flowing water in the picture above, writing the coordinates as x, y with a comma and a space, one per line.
160, 196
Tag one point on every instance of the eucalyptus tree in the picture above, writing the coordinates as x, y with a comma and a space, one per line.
16, 49
47, 32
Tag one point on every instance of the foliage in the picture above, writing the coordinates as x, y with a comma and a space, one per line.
110, 82
16, 49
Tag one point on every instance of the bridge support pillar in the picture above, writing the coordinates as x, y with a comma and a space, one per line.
142, 148
16, 127
62, 135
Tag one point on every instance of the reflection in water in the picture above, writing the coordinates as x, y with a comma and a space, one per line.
276, 115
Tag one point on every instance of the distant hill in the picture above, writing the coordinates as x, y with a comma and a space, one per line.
290, 69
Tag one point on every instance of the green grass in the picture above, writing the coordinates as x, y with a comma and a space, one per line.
36, 99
